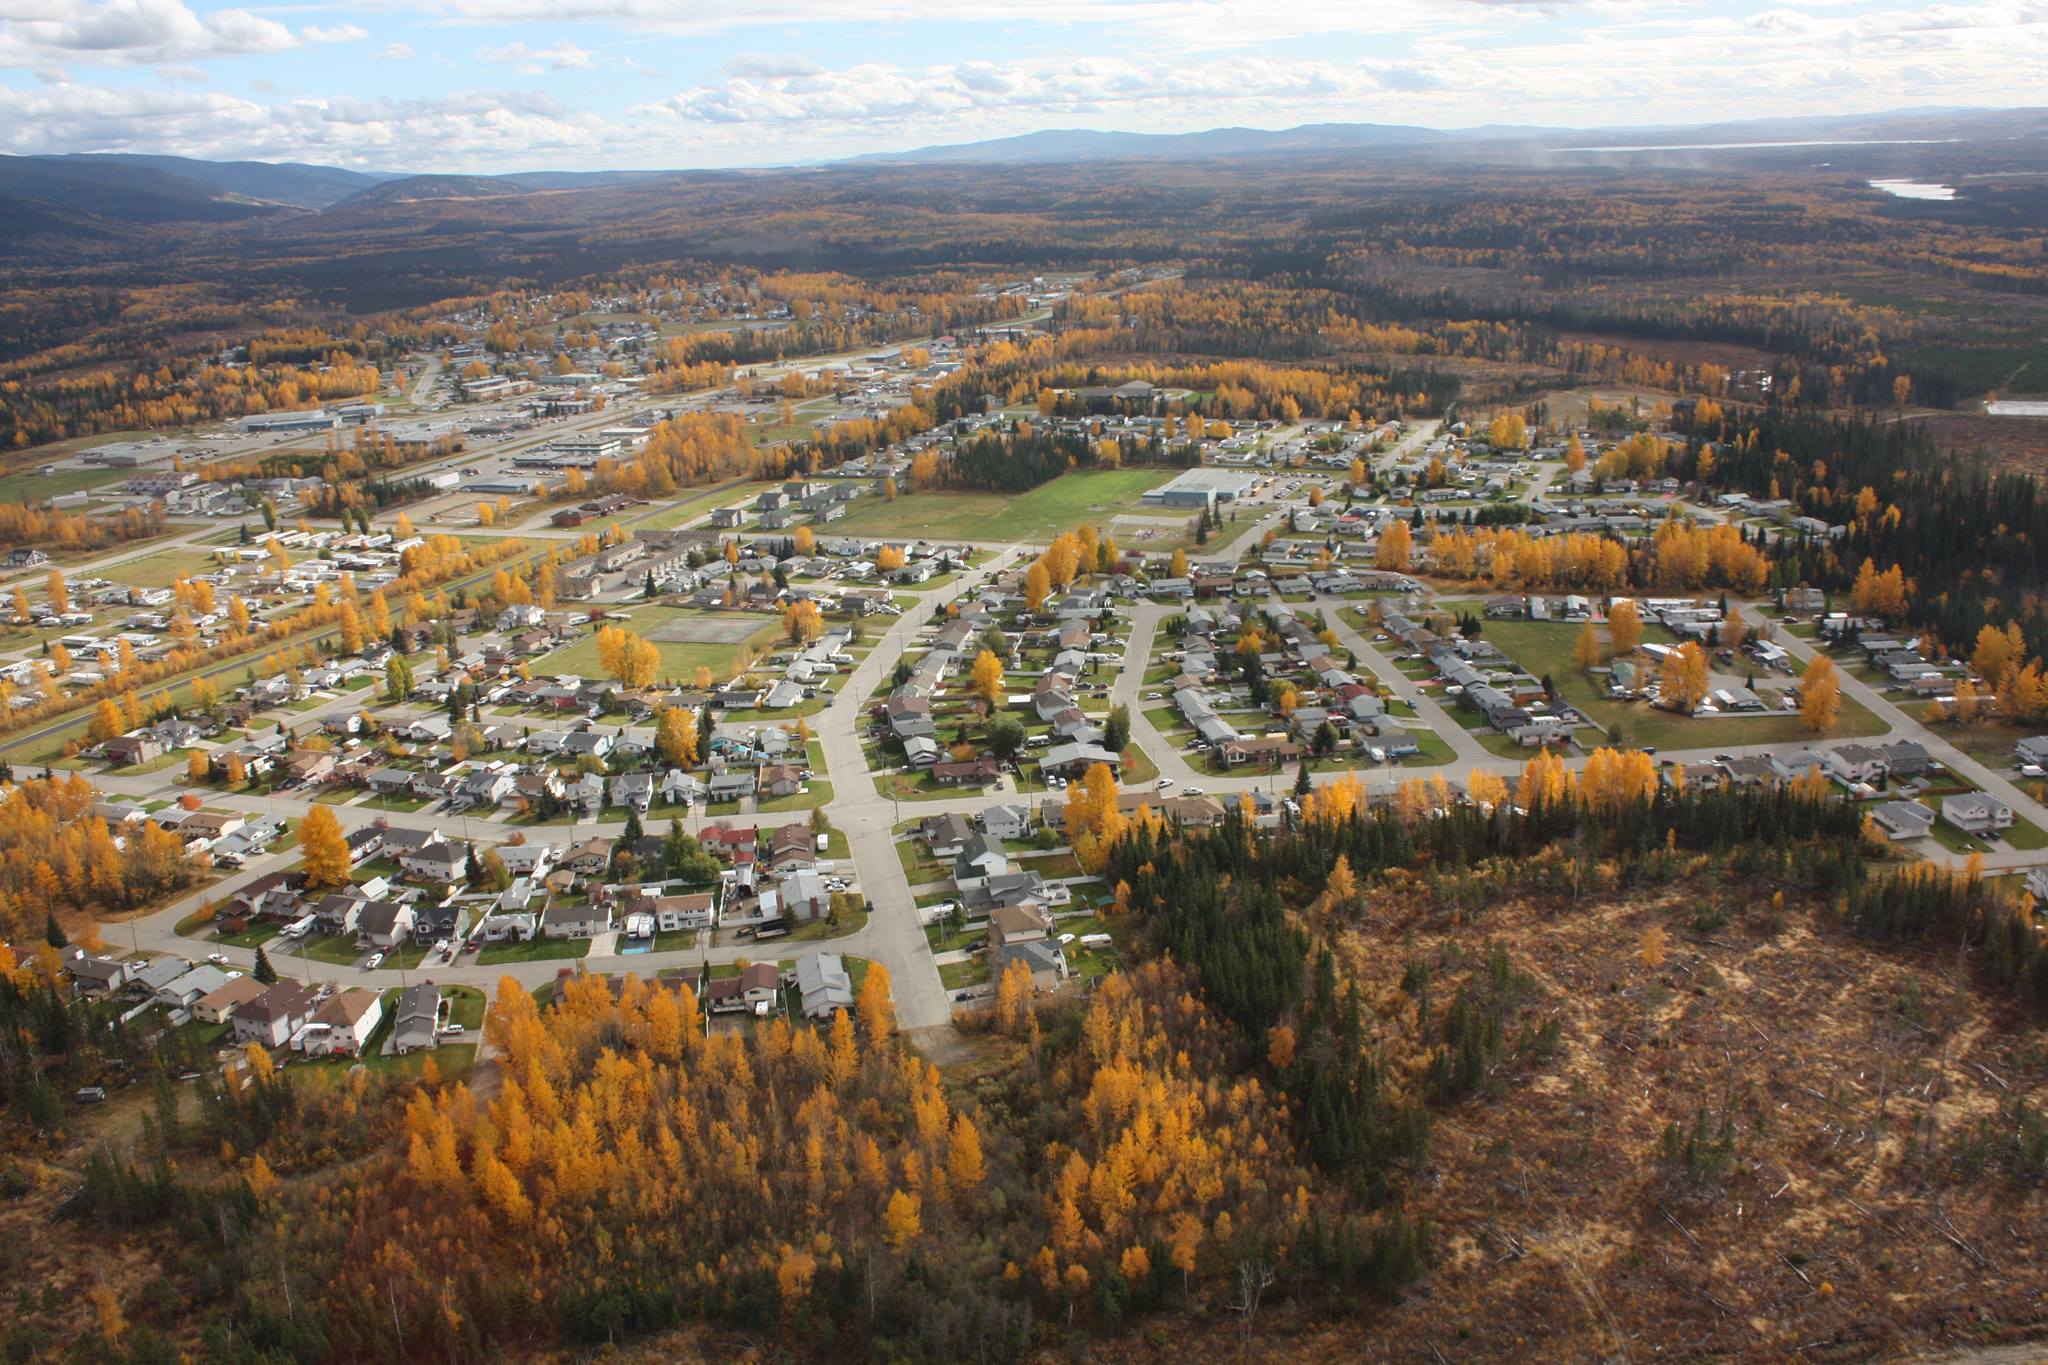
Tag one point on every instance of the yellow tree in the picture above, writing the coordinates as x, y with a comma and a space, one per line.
55, 589
802, 623
1396, 545
107, 721
1586, 651
889, 558
875, 1006
323, 847
964, 1164
1820, 694
1624, 627
1037, 586
988, 679
1682, 682
675, 735
1178, 568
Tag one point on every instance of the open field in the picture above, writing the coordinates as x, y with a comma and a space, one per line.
1045, 511
1544, 648
679, 657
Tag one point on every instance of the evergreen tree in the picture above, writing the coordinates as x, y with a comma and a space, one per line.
53, 932
263, 971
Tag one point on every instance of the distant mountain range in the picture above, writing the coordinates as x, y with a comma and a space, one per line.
1081, 144
111, 195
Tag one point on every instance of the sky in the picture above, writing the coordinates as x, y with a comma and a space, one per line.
499, 85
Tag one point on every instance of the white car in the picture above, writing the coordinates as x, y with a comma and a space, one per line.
1193, 791
1163, 783
375, 961
217, 959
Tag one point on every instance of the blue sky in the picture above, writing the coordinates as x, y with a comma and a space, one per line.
494, 85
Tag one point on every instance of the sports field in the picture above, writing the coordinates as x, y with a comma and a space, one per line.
680, 657
1091, 495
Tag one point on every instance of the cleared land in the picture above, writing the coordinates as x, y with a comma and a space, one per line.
677, 633
1547, 649
1068, 501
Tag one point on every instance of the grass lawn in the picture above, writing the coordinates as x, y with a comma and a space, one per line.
944, 938
686, 507
958, 975
533, 950
1051, 866
160, 570
336, 949
918, 866
465, 1006
675, 940
1040, 514
1542, 648
823, 929
679, 659
1139, 769
253, 935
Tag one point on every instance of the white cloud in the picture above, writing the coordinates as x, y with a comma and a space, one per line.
340, 33
130, 33
563, 56
396, 52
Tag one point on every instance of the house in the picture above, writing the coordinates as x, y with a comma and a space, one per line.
274, 1016
725, 843
1903, 820
1018, 924
220, 1004
189, 988
1044, 960
791, 847
824, 985
754, 988
804, 898
432, 923
575, 921
440, 862
2033, 749
979, 859
1976, 812
419, 1019
731, 786
1074, 760
1004, 822
1265, 751
98, 975
779, 779
385, 924
973, 772
1906, 758
689, 911
943, 835
1853, 763
152, 977
343, 1023
124, 751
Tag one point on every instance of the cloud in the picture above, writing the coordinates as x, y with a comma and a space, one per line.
563, 56
1112, 88
477, 129
340, 33
35, 33
396, 52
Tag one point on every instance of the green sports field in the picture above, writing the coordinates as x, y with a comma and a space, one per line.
1068, 501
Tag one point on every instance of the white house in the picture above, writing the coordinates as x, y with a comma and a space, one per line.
1976, 812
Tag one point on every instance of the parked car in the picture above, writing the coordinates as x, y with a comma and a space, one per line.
375, 961
217, 959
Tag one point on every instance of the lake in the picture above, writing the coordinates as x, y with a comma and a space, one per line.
1914, 189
